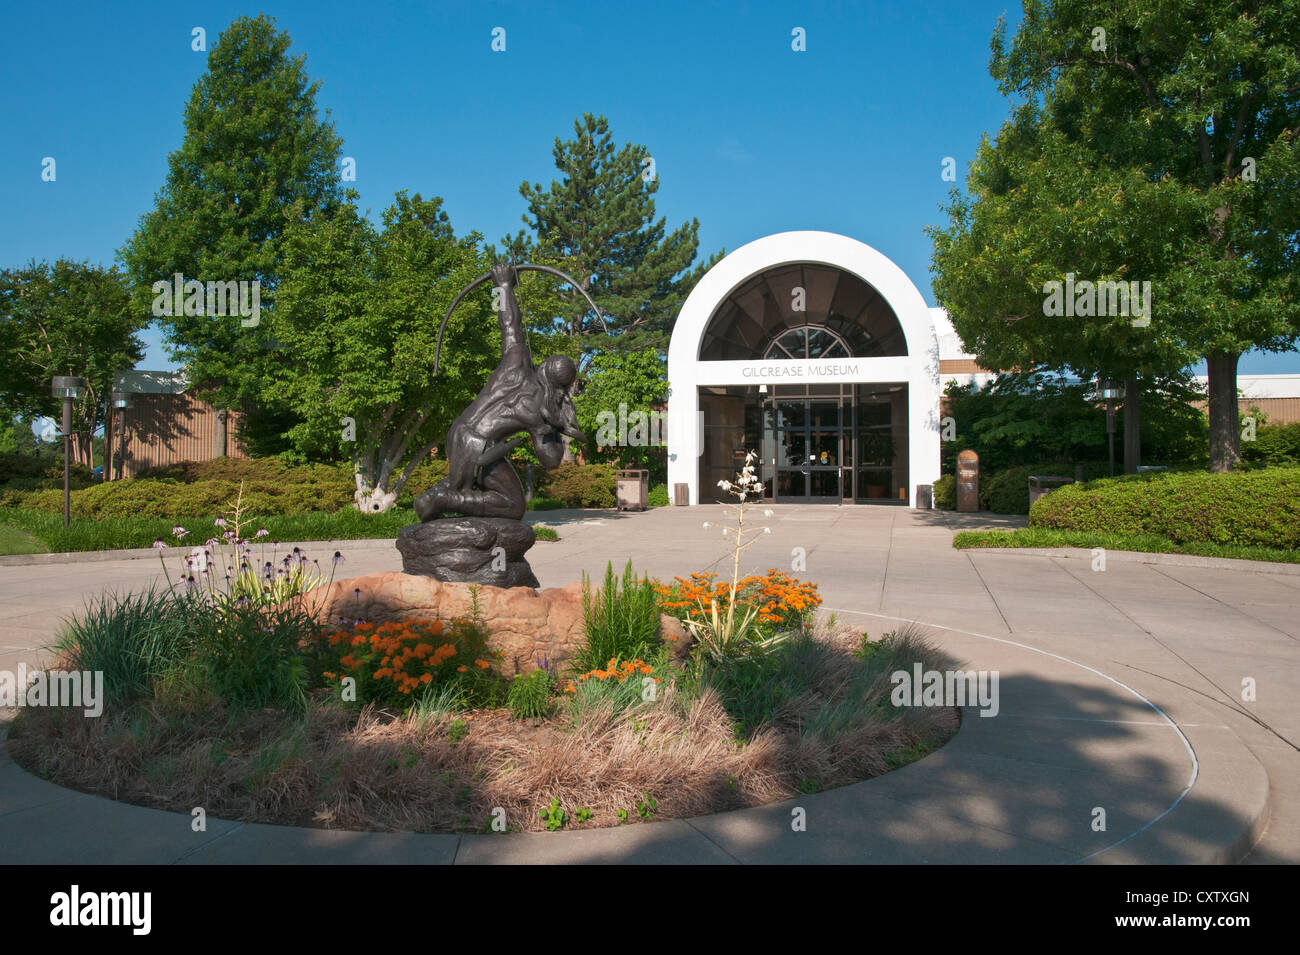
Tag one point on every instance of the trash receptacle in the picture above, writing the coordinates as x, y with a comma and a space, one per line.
632, 489
1041, 484
681, 495
925, 496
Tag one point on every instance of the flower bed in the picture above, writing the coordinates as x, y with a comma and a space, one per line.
240, 697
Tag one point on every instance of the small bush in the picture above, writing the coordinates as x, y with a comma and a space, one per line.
133, 640
945, 493
251, 657
579, 485
1007, 492
396, 662
784, 603
658, 496
1274, 445
530, 695
1254, 508
620, 622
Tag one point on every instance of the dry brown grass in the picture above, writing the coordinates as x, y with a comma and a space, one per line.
447, 771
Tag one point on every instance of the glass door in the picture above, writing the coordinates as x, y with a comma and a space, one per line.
806, 437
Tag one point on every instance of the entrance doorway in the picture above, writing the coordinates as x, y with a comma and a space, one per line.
818, 443
804, 438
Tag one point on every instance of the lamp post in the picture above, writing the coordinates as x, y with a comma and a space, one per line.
1110, 390
67, 387
121, 401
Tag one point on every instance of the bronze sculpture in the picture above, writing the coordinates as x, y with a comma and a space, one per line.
486, 543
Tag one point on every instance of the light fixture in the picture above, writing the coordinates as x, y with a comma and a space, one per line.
121, 399
67, 386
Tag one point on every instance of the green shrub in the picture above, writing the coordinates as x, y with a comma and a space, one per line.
425, 475
132, 640
579, 485
399, 662
658, 496
621, 622
251, 657
1007, 492
112, 533
945, 493
530, 696
1274, 445
1256, 508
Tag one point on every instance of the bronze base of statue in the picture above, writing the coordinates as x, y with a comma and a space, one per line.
473, 550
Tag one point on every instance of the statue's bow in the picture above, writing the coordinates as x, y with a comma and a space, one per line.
523, 267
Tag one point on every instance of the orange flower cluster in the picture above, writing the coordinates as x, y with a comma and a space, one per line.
779, 598
615, 670
406, 653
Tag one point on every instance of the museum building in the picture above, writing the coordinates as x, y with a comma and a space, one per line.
817, 352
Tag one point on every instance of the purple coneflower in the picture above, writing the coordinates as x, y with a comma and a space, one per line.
178, 532
158, 544
220, 522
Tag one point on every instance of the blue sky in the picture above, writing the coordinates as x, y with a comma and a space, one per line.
748, 136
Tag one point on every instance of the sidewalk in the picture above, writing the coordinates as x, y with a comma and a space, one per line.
1120, 691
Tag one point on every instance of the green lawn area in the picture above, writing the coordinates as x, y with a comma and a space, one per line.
39, 531
15, 541
1147, 543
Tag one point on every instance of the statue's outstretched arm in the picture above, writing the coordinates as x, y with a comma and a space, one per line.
512, 323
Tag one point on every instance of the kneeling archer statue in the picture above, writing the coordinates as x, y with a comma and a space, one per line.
517, 397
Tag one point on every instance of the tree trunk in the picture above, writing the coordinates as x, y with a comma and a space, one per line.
1132, 426
1225, 439
108, 443
219, 433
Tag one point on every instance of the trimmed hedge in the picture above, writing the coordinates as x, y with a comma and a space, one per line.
579, 485
1250, 508
201, 489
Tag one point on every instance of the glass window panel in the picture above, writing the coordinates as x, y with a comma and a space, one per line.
791, 483
825, 448
819, 341
824, 483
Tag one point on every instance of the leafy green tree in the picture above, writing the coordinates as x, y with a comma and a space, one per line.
598, 224
67, 319
1153, 142
1046, 419
358, 314
620, 410
254, 146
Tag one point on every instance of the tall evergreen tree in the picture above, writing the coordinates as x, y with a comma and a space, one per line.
598, 224
254, 146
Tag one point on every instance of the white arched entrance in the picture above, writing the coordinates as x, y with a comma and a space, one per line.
818, 352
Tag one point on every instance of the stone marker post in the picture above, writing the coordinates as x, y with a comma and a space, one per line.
968, 481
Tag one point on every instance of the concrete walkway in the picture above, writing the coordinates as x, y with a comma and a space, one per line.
1121, 690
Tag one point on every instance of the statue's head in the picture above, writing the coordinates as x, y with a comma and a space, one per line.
558, 371
557, 375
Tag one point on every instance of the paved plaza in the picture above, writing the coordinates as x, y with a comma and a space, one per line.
1120, 689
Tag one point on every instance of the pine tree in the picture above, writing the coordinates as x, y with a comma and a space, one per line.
598, 224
